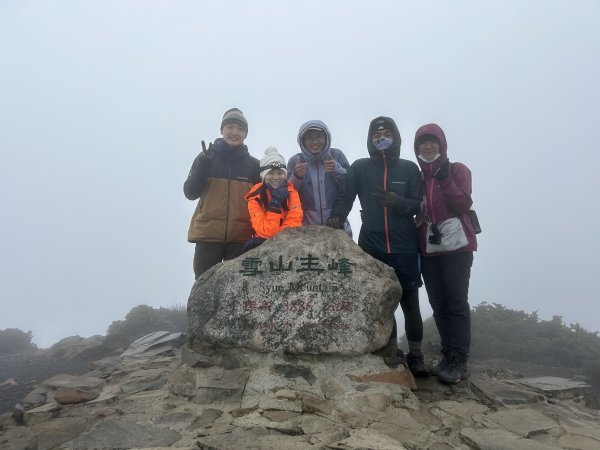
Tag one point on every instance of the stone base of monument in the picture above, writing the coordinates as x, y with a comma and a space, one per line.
252, 379
242, 399
261, 388
307, 290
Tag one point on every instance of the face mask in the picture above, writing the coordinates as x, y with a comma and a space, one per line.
423, 159
383, 143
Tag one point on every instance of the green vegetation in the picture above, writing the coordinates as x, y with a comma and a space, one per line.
501, 333
13, 340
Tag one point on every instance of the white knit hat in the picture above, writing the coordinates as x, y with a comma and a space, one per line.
271, 160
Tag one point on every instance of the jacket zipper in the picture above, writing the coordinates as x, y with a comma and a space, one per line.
228, 198
385, 208
319, 187
430, 200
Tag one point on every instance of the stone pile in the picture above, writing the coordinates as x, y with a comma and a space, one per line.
181, 399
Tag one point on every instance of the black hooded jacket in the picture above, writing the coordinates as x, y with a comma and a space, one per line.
384, 229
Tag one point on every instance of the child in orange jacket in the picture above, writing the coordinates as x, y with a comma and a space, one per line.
274, 204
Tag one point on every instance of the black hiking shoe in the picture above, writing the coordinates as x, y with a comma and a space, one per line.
416, 364
439, 366
454, 372
396, 360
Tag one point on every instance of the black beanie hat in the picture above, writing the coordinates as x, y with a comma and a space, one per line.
382, 123
234, 115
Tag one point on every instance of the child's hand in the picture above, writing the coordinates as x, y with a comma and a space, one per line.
330, 164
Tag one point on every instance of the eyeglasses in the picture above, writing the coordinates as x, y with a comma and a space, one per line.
314, 137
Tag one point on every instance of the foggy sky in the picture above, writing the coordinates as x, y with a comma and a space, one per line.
103, 105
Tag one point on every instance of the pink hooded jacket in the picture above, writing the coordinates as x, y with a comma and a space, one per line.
450, 197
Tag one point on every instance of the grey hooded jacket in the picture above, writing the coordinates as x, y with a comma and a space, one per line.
318, 189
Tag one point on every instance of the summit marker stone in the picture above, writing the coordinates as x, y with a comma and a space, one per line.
307, 290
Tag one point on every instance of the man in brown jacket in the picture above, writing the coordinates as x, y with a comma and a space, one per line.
220, 177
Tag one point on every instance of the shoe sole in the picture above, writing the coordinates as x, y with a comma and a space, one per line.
453, 381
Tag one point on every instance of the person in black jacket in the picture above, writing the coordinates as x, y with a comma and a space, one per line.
220, 177
390, 191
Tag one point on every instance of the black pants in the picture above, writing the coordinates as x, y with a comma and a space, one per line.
447, 282
207, 254
413, 323
406, 267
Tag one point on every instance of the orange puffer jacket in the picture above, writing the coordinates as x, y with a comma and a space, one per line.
266, 223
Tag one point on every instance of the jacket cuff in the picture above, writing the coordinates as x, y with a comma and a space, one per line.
339, 171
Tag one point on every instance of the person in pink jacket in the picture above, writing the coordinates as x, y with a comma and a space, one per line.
446, 242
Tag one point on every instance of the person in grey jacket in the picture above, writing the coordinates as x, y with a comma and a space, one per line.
317, 173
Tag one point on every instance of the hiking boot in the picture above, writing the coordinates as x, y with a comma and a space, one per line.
439, 366
416, 364
396, 360
454, 372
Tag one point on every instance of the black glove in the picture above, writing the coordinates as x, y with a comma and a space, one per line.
442, 171
207, 153
335, 222
278, 195
205, 158
389, 198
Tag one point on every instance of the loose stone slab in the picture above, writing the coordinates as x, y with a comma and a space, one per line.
498, 439
524, 422
73, 381
124, 433
498, 392
306, 290
157, 343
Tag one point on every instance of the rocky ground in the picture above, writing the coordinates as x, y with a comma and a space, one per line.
21, 372
161, 396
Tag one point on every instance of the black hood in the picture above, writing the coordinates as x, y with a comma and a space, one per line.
394, 151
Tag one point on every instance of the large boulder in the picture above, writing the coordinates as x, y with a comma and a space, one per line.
307, 290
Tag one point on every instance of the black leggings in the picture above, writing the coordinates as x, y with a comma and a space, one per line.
413, 323
407, 271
